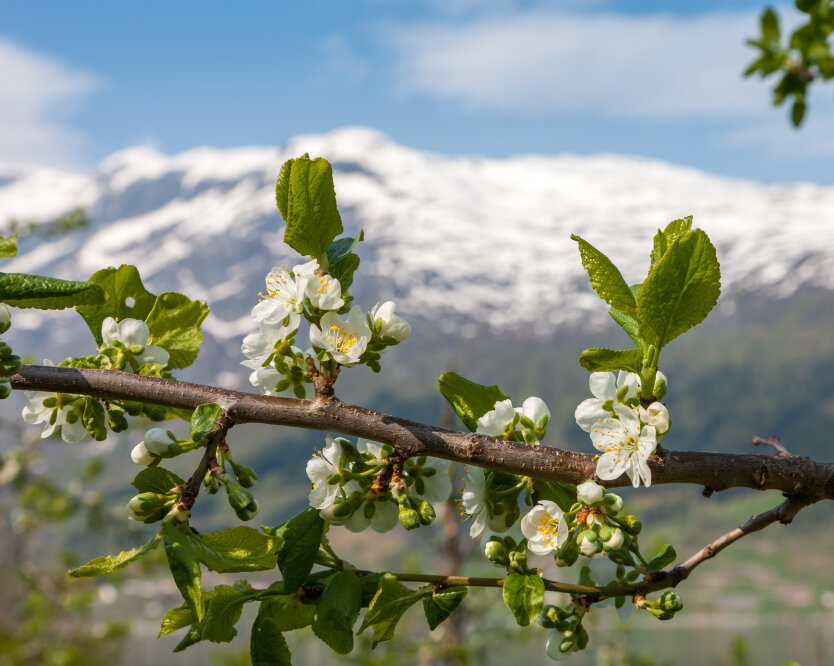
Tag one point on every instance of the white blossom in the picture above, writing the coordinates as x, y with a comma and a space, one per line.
133, 333
625, 446
385, 515
473, 502
260, 344
325, 292
589, 492
320, 468
140, 455
655, 415
496, 422
604, 388
347, 340
34, 412
382, 314
534, 409
544, 527
284, 292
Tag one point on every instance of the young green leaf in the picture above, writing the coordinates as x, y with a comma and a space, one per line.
288, 612
337, 611
343, 270
611, 360
185, 568
102, 566
307, 202
267, 645
343, 247
667, 555
523, 595
441, 604
224, 610
174, 323
606, 278
663, 239
469, 400
94, 419
47, 293
236, 549
8, 246
301, 537
203, 420
389, 604
181, 616
680, 290
156, 480
628, 324
124, 297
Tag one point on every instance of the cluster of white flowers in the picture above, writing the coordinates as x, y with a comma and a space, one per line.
625, 432
343, 338
131, 339
347, 494
527, 423
55, 411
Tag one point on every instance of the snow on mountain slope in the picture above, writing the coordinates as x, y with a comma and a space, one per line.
469, 242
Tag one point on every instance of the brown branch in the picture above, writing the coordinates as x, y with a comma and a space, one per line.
795, 475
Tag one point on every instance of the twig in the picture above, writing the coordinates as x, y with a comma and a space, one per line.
773, 442
214, 438
792, 475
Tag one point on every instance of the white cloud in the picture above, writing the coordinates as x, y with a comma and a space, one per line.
36, 95
658, 66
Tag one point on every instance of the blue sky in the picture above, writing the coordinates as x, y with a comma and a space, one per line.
83, 79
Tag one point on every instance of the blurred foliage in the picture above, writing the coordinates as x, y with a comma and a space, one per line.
798, 59
73, 220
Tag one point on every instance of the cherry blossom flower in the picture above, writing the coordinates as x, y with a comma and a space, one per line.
134, 333
544, 527
347, 340
625, 446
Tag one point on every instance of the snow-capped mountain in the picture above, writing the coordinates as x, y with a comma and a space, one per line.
472, 243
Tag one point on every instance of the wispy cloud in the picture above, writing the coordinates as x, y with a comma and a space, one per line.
659, 66
36, 95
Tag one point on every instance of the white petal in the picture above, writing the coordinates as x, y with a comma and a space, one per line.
603, 386
589, 412
133, 332
109, 331
609, 468
154, 354
386, 516
437, 488
530, 522
535, 409
357, 521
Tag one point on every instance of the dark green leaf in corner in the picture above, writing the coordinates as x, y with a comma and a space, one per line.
680, 290
46, 293
523, 595
611, 360
469, 400
174, 323
306, 200
102, 566
606, 278
337, 612
8, 246
441, 604
125, 298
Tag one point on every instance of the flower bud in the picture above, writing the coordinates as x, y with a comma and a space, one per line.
426, 511
239, 497
613, 503
518, 560
387, 323
496, 552
140, 455
671, 601
589, 492
160, 442
148, 507
246, 476
10, 365
589, 543
409, 518
5, 318
178, 515
5, 388
615, 541
248, 512
560, 644
631, 524
656, 415
567, 555
661, 386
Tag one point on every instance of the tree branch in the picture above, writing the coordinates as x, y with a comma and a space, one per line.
796, 476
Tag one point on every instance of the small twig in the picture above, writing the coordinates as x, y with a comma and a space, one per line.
216, 436
773, 442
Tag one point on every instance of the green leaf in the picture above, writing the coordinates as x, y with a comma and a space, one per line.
301, 537
370, 586
469, 400
337, 611
156, 480
440, 605
236, 549
606, 278
798, 110
663, 239
203, 419
125, 297
564, 494
307, 202
667, 555
185, 568
628, 324
267, 645
102, 566
523, 595
389, 604
343, 247
343, 270
181, 616
289, 612
47, 293
8, 246
680, 290
174, 323
770, 26
94, 419
224, 610
610, 360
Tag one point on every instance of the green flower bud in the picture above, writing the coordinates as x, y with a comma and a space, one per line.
409, 518
496, 552
613, 504
426, 511
249, 512
5, 388
5, 350
615, 541
10, 365
661, 386
671, 601
589, 543
559, 644
518, 559
239, 497
631, 524
5, 318
246, 476
161, 443
567, 555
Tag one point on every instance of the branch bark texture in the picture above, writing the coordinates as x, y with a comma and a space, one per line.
796, 476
